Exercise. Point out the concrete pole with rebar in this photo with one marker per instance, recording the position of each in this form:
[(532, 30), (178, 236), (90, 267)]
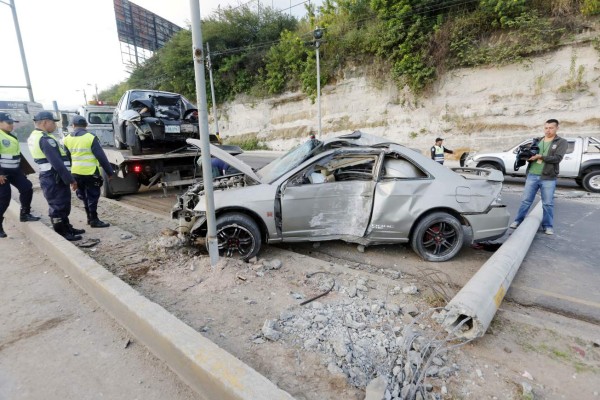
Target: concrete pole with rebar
[(470, 312), (198, 54)]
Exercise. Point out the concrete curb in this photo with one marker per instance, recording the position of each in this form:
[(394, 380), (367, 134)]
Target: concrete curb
[(209, 370)]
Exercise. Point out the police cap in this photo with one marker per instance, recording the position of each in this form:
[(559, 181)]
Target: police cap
[(42, 115), (78, 120), (5, 117)]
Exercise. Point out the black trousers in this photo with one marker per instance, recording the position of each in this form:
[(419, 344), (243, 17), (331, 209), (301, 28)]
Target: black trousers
[(57, 194), (23, 185), (88, 190)]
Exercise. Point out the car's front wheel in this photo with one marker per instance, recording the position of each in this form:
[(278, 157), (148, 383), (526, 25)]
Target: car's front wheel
[(238, 236), (489, 165), (438, 237)]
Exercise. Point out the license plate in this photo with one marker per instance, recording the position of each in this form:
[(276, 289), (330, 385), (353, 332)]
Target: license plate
[(172, 129)]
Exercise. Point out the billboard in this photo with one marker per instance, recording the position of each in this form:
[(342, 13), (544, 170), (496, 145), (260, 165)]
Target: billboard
[(141, 28)]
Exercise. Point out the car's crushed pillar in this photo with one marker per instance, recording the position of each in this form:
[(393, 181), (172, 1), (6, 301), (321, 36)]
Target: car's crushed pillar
[(470, 312)]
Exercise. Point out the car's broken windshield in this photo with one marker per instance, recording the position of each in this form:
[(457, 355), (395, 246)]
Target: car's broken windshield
[(288, 161)]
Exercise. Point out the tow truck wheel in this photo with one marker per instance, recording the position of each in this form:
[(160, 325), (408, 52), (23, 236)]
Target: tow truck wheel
[(238, 236), (591, 181), (438, 237)]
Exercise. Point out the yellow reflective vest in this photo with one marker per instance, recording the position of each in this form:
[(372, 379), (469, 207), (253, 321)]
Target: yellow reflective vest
[(84, 161), (10, 151), (38, 155)]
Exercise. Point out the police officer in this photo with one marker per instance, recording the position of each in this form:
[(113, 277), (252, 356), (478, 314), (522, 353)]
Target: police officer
[(55, 177), (11, 174), (86, 157), (438, 150)]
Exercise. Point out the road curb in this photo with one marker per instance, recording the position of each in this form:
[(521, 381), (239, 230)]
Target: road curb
[(208, 369)]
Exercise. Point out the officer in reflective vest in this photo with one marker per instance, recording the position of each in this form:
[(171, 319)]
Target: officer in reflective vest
[(11, 174), (438, 150), (86, 157), (54, 164)]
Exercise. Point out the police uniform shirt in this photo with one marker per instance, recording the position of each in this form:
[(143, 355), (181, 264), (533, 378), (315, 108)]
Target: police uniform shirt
[(49, 147), (2, 171)]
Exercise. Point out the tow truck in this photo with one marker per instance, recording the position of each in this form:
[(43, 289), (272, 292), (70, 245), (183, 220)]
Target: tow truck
[(166, 169)]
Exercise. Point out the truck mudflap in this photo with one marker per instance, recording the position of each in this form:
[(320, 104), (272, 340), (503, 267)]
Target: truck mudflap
[(119, 185)]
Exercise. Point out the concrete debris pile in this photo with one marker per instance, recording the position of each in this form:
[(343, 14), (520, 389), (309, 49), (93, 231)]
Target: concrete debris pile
[(362, 339)]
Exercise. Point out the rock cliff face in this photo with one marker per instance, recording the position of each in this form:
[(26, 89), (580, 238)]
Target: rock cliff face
[(484, 109)]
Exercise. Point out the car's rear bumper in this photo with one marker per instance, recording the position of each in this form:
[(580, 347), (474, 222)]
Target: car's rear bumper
[(490, 225)]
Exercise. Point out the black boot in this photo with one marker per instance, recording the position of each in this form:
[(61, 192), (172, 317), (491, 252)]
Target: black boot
[(2, 233), (72, 229), (61, 227), (26, 215), (94, 222)]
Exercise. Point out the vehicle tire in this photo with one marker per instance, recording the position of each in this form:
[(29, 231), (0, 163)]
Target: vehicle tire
[(591, 181), (238, 236), (489, 165), (134, 139), (438, 237), (116, 135)]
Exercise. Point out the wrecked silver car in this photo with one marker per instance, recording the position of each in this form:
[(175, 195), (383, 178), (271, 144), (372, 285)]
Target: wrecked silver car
[(357, 188)]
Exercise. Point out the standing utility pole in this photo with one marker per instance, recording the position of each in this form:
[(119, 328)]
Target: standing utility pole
[(23, 59), (212, 89), (318, 34), (198, 54)]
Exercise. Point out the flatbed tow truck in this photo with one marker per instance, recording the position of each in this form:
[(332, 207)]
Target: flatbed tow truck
[(165, 169)]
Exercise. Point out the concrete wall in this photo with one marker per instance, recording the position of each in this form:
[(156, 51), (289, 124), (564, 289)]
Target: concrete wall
[(488, 108)]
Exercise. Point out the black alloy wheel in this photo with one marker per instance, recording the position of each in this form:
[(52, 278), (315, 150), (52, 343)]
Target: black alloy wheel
[(438, 237), (238, 236)]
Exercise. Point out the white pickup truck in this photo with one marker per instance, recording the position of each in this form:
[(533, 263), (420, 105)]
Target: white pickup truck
[(581, 162)]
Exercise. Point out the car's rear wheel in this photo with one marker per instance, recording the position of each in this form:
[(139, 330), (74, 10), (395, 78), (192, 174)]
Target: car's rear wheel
[(238, 236), (438, 237), (591, 181)]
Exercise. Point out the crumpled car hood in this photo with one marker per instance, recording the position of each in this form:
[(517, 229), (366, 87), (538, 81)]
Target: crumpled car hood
[(228, 158)]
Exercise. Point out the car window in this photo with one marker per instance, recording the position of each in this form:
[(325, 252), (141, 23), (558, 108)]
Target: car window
[(288, 161), (394, 168), (99, 118), (570, 147), (338, 168)]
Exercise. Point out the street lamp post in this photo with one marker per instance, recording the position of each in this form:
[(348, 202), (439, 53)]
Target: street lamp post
[(318, 35), (20, 40), (95, 85), (84, 95)]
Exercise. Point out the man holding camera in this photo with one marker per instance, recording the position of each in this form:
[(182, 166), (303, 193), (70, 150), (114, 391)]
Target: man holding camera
[(542, 171)]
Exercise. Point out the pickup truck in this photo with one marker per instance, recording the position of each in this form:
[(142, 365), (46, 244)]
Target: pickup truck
[(581, 162)]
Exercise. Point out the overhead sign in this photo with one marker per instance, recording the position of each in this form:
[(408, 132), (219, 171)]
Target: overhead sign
[(139, 27)]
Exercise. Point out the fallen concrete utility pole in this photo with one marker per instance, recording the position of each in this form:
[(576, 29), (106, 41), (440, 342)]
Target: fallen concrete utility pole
[(477, 302)]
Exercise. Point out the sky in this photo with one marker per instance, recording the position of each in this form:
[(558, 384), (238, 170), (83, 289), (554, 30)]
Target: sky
[(71, 46)]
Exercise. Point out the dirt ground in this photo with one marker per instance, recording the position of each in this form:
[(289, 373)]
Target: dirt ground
[(332, 347)]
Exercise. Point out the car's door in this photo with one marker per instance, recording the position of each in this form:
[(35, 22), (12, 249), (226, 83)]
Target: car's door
[(331, 198)]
